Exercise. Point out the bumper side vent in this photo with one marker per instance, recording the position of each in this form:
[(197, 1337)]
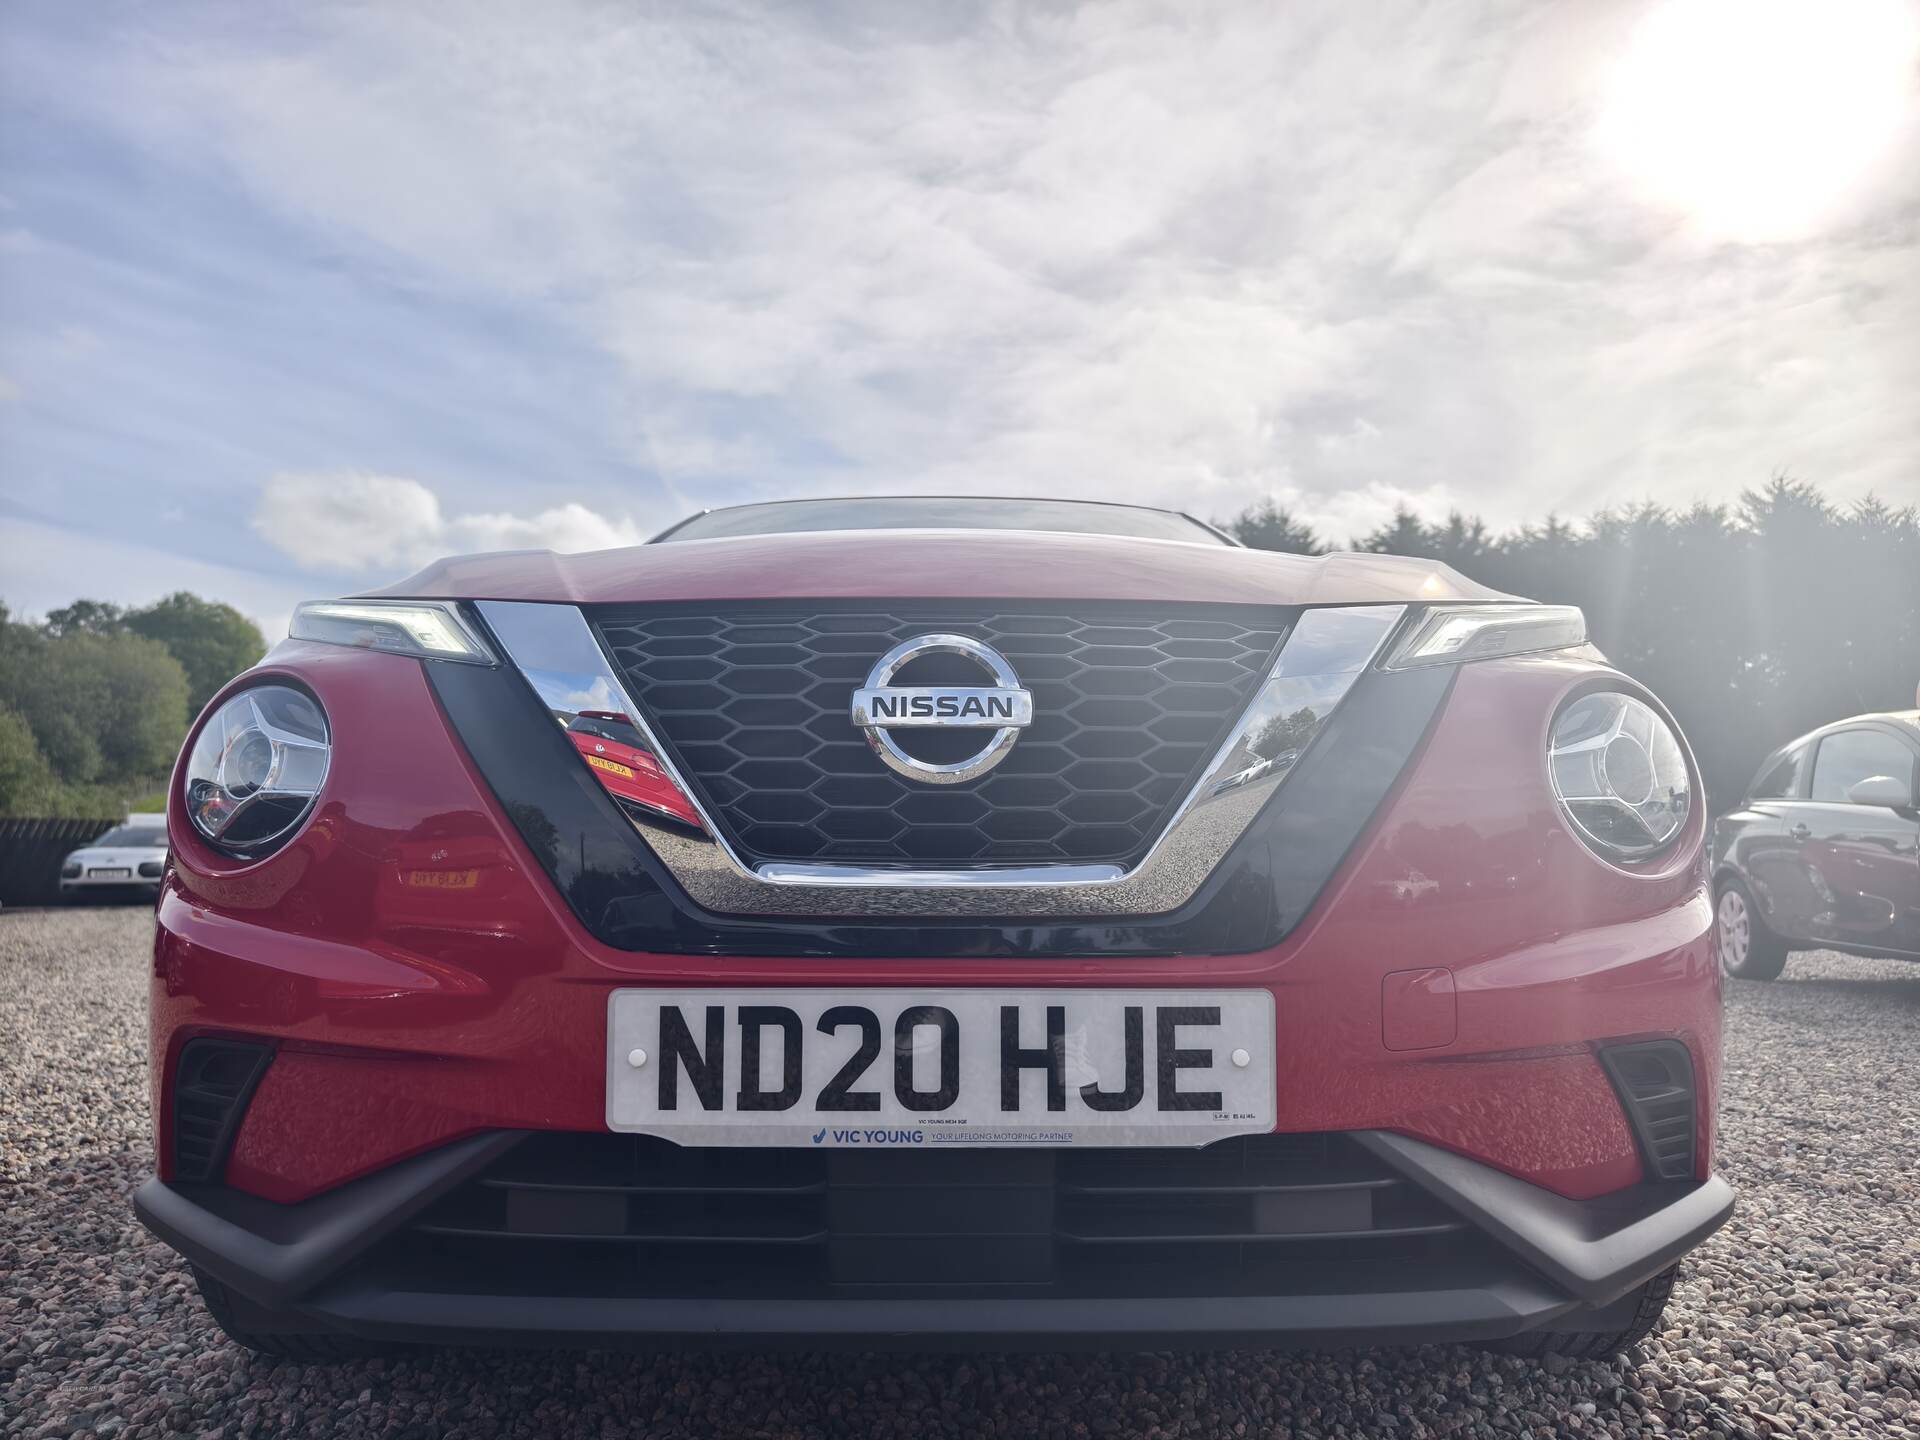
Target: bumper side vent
[(1655, 1084), (211, 1087)]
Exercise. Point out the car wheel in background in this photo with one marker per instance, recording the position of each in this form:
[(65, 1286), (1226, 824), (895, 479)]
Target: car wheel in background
[(1747, 949), (1598, 1345)]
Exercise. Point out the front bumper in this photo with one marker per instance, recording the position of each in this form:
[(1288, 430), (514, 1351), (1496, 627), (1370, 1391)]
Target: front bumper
[(110, 885), (389, 1256)]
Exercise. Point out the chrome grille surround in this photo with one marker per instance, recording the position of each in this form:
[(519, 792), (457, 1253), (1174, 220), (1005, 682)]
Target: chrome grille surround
[(1327, 649)]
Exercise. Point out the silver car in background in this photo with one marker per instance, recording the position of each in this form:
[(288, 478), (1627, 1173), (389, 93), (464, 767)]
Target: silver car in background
[(132, 855)]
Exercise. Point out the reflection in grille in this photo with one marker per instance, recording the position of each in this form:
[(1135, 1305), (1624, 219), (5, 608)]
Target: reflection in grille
[(624, 1215), (1129, 703)]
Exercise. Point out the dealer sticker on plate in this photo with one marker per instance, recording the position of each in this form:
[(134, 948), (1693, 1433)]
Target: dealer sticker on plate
[(899, 1067)]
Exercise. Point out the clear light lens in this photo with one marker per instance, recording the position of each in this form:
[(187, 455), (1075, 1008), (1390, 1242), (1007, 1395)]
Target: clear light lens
[(256, 768), (1449, 634), (1620, 774), (430, 629)]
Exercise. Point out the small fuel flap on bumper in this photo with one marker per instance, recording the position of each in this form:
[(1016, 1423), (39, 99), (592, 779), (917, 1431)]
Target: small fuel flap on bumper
[(931, 1067)]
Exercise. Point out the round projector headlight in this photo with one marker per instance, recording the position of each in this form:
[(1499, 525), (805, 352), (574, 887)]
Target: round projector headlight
[(256, 768), (1620, 774)]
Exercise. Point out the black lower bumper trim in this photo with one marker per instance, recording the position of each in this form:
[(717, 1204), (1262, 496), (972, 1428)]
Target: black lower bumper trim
[(1550, 1262), (1000, 1323), (274, 1254), (1597, 1250)]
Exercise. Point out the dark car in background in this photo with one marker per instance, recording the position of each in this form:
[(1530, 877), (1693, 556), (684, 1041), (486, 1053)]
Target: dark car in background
[(1823, 851)]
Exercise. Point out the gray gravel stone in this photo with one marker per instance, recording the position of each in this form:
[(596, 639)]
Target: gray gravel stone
[(1799, 1318)]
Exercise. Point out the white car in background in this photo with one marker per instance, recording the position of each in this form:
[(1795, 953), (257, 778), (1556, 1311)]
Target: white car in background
[(132, 854)]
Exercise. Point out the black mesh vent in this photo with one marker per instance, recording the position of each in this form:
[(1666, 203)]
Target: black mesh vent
[(612, 1215), (210, 1093), (1655, 1084), (1129, 702)]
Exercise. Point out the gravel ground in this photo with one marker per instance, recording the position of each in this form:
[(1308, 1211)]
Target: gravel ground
[(1799, 1318)]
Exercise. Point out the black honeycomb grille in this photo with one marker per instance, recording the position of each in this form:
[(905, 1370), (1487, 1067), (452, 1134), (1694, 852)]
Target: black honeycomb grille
[(1129, 702)]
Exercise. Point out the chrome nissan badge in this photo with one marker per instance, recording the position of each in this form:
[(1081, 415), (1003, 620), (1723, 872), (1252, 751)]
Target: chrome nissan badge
[(1004, 706)]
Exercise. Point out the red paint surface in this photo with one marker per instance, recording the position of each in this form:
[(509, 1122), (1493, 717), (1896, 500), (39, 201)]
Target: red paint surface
[(1013, 564), (410, 1010)]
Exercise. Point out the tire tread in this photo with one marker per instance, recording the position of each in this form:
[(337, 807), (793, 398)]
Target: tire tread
[(1599, 1345), (312, 1346)]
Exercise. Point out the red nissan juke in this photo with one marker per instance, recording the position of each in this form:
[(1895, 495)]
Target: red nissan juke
[(1022, 923)]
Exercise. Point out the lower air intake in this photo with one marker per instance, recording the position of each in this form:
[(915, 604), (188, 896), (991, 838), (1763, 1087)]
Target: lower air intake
[(212, 1085), (625, 1215), (1655, 1084)]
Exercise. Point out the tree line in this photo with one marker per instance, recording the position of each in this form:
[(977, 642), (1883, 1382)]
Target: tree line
[(95, 699), (1754, 622)]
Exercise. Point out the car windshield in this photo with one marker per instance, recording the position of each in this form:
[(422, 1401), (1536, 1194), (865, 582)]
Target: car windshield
[(137, 836), (944, 512), (608, 727)]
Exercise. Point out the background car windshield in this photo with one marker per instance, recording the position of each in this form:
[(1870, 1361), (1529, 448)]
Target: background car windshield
[(618, 731), (944, 512), (1850, 756), (135, 835)]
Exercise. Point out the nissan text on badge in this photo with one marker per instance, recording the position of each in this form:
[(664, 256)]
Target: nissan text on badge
[(1107, 933)]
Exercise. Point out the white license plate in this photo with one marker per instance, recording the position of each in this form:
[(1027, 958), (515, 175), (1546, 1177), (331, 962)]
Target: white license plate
[(110, 874), (898, 1067)]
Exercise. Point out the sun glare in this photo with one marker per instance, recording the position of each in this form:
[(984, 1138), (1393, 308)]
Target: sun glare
[(1762, 119)]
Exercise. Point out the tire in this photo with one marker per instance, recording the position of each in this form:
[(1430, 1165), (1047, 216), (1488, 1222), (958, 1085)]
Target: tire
[(240, 1319), (1597, 1345), (1746, 949)]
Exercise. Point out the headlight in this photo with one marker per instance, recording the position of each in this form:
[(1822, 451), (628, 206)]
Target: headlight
[(256, 768), (70, 870), (1620, 774), (430, 629), (1449, 634)]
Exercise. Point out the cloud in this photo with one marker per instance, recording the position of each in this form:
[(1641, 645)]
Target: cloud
[(53, 565), (344, 523), (1350, 256)]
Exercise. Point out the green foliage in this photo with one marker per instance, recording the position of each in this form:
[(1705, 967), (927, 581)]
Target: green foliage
[(25, 776), (103, 711), (84, 617), (97, 698), (1753, 624), (28, 785), (1266, 526), (214, 642)]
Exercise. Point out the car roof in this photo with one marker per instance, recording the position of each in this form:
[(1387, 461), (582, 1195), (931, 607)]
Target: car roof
[(1906, 720)]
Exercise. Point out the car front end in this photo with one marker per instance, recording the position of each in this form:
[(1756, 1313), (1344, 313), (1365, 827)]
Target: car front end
[(994, 939), (130, 858)]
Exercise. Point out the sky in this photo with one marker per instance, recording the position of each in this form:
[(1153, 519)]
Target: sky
[(295, 298)]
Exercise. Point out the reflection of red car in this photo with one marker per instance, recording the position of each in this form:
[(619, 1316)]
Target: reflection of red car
[(616, 752)]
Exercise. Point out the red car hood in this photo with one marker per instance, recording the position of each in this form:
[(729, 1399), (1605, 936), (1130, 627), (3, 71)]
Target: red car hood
[(1012, 564)]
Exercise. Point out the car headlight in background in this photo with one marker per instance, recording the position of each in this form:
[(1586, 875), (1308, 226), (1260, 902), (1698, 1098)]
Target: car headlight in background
[(256, 768), (1620, 774)]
